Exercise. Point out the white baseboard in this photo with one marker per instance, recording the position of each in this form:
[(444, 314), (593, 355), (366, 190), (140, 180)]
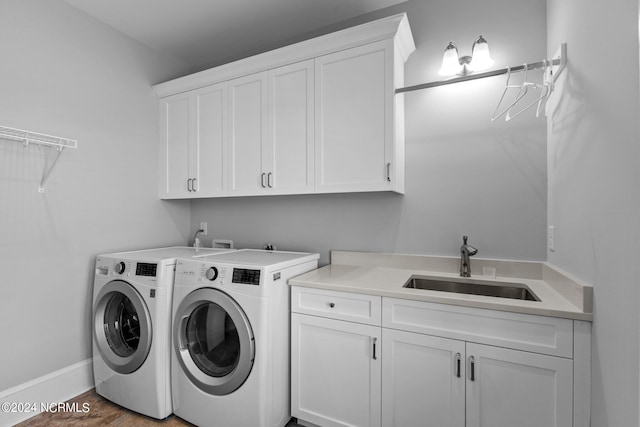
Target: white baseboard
[(26, 400)]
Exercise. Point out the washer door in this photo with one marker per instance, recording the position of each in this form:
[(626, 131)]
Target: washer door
[(122, 327), (213, 341)]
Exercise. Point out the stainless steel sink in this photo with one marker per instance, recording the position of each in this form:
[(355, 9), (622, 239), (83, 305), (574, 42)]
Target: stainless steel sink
[(473, 287)]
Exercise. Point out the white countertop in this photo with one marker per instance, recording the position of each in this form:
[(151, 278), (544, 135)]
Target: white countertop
[(385, 274)]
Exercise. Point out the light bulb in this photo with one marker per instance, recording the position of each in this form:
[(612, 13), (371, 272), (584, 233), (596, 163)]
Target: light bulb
[(481, 59), (450, 63)]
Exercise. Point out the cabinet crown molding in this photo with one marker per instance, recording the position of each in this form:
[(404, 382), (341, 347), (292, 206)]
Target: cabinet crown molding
[(396, 27)]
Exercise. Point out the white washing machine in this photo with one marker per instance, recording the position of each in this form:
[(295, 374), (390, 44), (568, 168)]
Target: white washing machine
[(230, 359), (132, 297)]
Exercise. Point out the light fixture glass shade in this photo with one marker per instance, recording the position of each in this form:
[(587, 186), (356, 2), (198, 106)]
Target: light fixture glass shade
[(450, 63), (481, 59)]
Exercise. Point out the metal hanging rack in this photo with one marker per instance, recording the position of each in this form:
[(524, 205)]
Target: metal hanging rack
[(558, 64), (27, 137)]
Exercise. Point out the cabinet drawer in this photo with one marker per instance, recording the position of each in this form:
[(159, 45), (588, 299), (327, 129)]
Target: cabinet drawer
[(347, 306), (538, 334)]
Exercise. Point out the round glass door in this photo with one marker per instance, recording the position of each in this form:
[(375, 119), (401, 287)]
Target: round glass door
[(214, 341), (122, 327)]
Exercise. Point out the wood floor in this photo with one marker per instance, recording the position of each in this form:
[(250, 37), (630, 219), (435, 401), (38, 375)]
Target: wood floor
[(102, 412)]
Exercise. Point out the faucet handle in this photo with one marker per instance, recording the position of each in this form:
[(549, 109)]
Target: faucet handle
[(464, 239)]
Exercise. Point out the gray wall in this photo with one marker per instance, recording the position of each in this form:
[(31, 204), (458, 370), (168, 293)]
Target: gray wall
[(594, 174), (464, 174), (65, 74)]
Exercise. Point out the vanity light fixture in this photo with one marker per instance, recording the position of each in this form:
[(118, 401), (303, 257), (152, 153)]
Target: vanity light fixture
[(479, 60)]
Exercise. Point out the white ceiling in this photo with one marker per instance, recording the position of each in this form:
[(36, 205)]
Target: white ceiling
[(211, 32)]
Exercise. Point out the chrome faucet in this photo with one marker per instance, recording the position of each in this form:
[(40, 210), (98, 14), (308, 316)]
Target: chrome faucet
[(466, 251), (196, 241)]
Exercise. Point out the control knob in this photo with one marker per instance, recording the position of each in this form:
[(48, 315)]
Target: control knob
[(120, 267), (211, 273)]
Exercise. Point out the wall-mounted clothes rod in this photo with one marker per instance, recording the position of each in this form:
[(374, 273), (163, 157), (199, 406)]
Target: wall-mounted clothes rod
[(27, 137), (559, 61)]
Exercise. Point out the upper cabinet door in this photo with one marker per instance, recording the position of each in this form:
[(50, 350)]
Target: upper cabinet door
[(209, 168), (354, 119), (192, 143), (175, 132), (288, 160), (247, 134)]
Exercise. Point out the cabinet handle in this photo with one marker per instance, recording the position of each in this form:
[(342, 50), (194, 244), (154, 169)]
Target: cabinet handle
[(262, 180), (458, 357), (375, 357), (388, 172), (472, 361), (193, 184), (332, 304), (269, 180), (189, 185)]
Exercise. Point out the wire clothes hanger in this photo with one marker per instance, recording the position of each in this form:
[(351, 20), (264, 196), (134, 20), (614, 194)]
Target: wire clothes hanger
[(522, 91), (545, 91)]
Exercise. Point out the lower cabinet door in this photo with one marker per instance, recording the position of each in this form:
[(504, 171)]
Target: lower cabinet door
[(423, 380), (507, 388), (335, 372)]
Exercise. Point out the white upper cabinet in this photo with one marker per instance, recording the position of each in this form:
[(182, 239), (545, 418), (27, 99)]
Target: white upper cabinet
[(319, 116), (271, 131), (354, 119), (211, 126), (176, 145), (289, 155), (247, 132), (192, 143)]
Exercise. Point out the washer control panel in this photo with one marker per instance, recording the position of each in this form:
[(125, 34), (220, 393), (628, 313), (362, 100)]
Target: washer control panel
[(146, 269), (246, 276), (216, 274)]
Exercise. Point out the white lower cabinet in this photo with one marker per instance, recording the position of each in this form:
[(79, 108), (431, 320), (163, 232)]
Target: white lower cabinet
[(518, 388), (423, 380), (336, 372), (438, 382), (352, 364)]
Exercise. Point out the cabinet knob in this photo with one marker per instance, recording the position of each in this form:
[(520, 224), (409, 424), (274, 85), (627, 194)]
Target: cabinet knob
[(332, 305)]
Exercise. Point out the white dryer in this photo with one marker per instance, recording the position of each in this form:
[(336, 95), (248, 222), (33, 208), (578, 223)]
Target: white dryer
[(132, 297), (230, 359)]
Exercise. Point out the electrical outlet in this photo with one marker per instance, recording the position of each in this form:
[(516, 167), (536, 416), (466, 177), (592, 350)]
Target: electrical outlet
[(551, 238), (203, 227)]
